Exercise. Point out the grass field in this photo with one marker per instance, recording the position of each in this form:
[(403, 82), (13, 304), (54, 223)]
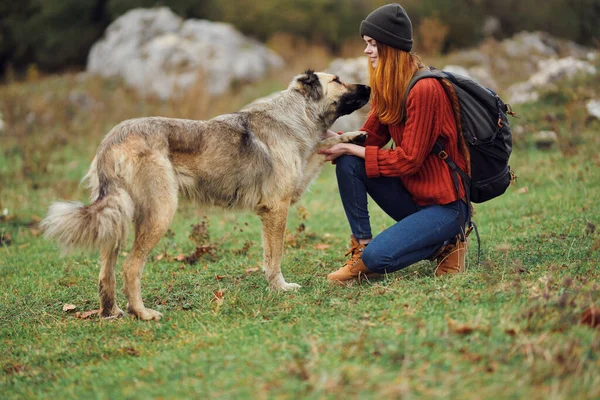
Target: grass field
[(507, 328)]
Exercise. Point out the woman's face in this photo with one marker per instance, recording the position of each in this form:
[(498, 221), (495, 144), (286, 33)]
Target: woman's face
[(371, 50)]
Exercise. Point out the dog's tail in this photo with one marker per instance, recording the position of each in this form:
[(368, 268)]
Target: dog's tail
[(102, 224)]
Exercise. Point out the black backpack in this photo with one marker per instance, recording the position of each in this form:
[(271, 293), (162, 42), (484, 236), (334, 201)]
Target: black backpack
[(487, 134)]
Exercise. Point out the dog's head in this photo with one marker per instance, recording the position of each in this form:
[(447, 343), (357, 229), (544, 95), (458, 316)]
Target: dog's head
[(331, 97)]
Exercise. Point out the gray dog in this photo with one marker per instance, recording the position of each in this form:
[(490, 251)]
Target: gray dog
[(261, 159)]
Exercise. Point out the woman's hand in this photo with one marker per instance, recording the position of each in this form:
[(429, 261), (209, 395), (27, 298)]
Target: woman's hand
[(343, 148)]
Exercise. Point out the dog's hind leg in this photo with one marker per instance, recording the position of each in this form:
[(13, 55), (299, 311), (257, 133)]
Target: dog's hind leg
[(106, 283), (274, 221), (156, 204)]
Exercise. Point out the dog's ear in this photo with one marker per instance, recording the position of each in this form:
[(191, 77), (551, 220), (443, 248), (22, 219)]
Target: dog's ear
[(309, 85)]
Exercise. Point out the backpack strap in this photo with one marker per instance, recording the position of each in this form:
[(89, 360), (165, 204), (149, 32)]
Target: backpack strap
[(425, 72), (457, 174)]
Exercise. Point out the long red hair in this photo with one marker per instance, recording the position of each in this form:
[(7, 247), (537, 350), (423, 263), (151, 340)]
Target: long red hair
[(389, 81)]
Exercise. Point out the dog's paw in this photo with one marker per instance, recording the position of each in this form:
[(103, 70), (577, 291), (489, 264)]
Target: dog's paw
[(284, 286), (146, 314), (113, 314), (357, 137)]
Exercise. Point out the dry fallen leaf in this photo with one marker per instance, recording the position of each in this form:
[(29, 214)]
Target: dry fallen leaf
[(5, 239), (523, 190), (511, 332), (457, 327), (519, 267), (86, 315), (218, 296), (322, 246), (14, 368), (590, 228), (159, 257), (35, 232), (591, 317), (219, 277), (130, 351), (69, 307), (251, 270), (180, 257)]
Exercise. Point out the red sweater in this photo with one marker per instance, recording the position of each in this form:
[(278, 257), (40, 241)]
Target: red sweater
[(429, 117)]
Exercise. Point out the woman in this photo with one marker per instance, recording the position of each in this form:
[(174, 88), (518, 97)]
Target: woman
[(410, 184)]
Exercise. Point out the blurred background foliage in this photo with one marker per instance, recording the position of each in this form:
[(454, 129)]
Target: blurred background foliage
[(56, 35)]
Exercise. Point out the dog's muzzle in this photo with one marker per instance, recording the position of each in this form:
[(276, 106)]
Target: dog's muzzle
[(353, 100)]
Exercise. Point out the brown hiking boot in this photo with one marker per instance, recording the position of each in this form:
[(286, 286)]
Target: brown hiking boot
[(451, 259), (354, 267)]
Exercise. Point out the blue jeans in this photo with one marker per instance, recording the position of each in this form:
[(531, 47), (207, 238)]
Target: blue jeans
[(418, 232)]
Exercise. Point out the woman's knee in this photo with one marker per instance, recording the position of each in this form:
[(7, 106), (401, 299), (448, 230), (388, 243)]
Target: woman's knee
[(375, 261), (347, 164)]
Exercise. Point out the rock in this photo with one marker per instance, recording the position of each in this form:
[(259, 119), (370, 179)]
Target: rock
[(522, 92), (491, 26), (472, 57), (479, 74), (158, 53), (550, 71), (352, 70), (82, 100), (528, 44), (483, 76), (592, 106), (545, 139), (457, 69)]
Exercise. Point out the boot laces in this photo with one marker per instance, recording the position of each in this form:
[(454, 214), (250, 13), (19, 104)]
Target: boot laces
[(356, 251)]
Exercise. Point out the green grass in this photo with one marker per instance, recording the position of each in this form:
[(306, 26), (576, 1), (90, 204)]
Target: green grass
[(507, 328)]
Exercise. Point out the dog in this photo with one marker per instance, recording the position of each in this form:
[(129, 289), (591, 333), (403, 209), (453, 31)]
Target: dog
[(261, 159)]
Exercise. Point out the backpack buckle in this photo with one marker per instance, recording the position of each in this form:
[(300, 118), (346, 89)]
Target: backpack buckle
[(443, 155)]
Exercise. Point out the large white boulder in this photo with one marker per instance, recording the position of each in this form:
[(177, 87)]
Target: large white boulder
[(351, 70), (479, 74), (159, 53), (529, 44), (550, 71)]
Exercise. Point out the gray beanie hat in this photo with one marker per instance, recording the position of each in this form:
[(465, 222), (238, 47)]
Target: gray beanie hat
[(389, 25)]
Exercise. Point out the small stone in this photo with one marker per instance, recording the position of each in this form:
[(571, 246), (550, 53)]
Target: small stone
[(545, 139), (593, 107)]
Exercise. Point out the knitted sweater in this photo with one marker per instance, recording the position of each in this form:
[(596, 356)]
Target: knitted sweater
[(429, 117)]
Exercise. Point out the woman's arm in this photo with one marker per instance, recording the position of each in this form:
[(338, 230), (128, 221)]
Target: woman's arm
[(343, 148), (378, 134), (420, 132)]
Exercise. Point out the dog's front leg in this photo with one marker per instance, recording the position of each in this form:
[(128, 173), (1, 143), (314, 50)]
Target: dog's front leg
[(314, 164), (274, 221), (348, 137)]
